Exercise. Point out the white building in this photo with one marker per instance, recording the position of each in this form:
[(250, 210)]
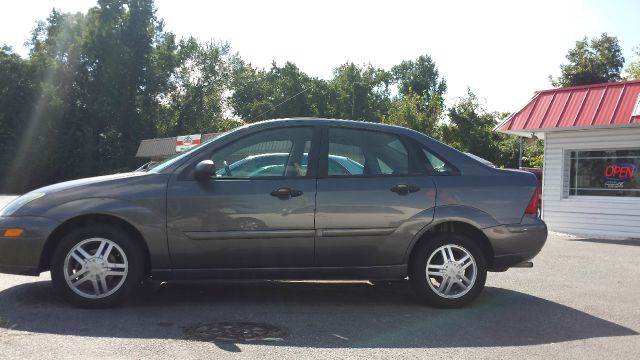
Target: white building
[(591, 184)]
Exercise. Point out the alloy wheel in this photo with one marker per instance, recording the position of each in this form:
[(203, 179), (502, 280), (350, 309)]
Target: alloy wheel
[(95, 268), (451, 271)]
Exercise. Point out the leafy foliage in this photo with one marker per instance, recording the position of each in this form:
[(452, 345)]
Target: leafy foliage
[(407, 111), (96, 83), (279, 92), (470, 129), (199, 82), (634, 67), (359, 93), (594, 61)]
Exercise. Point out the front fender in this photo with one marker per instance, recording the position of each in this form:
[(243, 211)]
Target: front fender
[(148, 219)]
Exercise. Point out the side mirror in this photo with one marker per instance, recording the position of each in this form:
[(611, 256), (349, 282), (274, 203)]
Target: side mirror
[(205, 169)]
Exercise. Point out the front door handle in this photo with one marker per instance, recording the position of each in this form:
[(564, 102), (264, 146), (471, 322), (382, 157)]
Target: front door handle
[(404, 189), (285, 192)]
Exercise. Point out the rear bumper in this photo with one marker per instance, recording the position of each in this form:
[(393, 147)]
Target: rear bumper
[(22, 255), (513, 244)]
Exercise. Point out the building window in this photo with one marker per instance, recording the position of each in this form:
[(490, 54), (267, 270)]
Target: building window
[(604, 173)]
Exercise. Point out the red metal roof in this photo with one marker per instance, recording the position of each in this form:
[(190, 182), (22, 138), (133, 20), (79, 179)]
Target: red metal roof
[(600, 105)]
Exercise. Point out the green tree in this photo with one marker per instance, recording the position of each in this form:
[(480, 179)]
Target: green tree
[(470, 129), (508, 151), (278, 92), (533, 153), (17, 93), (160, 83), (96, 83), (419, 82), (592, 61), (44, 144), (634, 67), (421, 77), (200, 80), (359, 92), (354, 92), (407, 111), (118, 46), (92, 82)]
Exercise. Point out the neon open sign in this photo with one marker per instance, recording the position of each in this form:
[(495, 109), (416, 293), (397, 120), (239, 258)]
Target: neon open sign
[(619, 172)]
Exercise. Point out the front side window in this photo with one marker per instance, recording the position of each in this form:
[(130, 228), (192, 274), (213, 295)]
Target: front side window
[(360, 152), (604, 172), (270, 153)]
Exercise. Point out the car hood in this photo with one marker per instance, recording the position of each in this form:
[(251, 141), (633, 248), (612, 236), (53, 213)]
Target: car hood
[(66, 185), (131, 187)]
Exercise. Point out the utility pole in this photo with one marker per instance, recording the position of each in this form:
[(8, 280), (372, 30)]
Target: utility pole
[(353, 98), (520, 152)]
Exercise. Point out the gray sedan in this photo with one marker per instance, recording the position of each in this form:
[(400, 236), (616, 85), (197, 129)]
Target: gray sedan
[(283, 199)]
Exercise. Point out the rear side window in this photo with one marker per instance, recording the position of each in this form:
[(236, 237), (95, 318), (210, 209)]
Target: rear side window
[(436, 165), (361, 152)]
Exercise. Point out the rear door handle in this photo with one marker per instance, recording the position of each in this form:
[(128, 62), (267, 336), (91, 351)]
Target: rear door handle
[(285, 192), (404, 189)]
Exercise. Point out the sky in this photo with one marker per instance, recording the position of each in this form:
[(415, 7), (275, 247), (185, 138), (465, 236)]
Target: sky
[(502, 50)]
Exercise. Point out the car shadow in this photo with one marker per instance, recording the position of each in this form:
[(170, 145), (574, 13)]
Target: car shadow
[(314, 314)]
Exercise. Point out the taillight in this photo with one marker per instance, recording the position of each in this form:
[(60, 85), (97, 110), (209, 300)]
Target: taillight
[(532, 208)]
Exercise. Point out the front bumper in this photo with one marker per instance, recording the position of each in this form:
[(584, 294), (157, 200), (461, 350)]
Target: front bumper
[(513, 244), (21, 255)]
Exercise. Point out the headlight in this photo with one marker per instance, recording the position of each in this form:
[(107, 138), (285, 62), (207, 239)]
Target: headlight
[(19, 202)]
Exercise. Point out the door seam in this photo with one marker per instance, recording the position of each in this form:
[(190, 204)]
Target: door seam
[(315, 214)]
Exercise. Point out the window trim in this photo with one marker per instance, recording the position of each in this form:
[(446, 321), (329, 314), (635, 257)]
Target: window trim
[(323, 166), (567, 189), (186, 174)]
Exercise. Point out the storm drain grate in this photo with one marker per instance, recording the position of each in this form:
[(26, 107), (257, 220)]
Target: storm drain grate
[(234, 331)]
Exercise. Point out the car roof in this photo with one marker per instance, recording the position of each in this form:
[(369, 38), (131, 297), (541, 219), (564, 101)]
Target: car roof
[(314, 121)]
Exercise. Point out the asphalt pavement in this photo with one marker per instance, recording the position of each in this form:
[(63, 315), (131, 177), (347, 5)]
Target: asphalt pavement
[(581, 300)]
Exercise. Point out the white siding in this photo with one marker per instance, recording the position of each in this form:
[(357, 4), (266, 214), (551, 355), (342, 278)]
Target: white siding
[(588, 215)]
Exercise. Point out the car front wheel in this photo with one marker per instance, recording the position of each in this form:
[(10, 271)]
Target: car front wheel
[(448, 271), (96, 266)]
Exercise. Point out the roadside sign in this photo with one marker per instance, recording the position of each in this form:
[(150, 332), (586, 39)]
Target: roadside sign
[(186, 142)]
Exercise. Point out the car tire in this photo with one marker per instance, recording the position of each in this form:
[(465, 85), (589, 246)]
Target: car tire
[(465, 275), (89, 279)]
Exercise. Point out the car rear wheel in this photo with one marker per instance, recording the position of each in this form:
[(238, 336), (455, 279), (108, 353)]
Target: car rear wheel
[(448, 271), (96, 266)]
